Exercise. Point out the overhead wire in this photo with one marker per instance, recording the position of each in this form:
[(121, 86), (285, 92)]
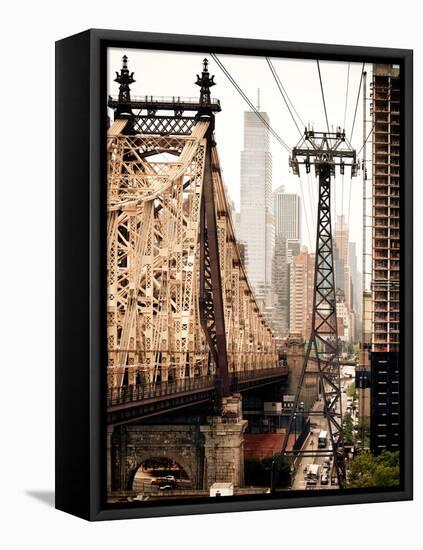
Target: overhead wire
[(249, 103), (366, 140), (343, 175), (284, 94), (323, 94), (356, 103), (346, 95), (265, 122), (287, 101), (290, 105), (351, 135)]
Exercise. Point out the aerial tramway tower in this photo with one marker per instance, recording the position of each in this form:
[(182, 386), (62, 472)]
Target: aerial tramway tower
[(325, 151)]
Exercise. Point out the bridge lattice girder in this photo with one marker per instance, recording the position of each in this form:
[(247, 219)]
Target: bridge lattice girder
[(155, 185)]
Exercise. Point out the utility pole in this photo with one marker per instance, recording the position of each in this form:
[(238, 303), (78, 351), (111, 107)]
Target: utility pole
[(324, 150)]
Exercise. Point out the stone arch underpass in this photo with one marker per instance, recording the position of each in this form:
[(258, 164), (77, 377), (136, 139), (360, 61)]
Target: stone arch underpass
[(208, 453), (182, 444)]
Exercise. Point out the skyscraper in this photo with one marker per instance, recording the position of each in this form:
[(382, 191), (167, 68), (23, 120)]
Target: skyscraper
[(287, 214), (385, 391), (342, 270), (256, 229), (341, 238)]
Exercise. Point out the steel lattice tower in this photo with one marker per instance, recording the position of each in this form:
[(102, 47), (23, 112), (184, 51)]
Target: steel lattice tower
[(324, 150)]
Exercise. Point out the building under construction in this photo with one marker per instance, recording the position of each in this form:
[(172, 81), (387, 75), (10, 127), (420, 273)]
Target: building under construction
[(385, 396)]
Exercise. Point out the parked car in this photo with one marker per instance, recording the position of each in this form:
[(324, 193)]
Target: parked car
[(324, 479), (168, 482), (166, 487), (157, 481)]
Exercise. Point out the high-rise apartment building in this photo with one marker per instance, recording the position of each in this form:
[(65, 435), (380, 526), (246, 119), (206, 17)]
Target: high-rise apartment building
[(301, 293), (256, 228), (385, 391)]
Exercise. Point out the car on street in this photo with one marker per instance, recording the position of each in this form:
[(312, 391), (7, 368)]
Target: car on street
[(324, 478), (312, 474), (157, 481)]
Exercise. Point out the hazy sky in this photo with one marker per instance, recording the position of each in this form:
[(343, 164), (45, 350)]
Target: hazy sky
[(170, 73)]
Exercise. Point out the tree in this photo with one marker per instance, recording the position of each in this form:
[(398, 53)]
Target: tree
[(363, 430), (262, 472), (281, 470), (348, 430), (367, 470), (351, 390)]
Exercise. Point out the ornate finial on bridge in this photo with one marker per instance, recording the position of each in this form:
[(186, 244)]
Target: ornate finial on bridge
[(124, 79), (205, 81)]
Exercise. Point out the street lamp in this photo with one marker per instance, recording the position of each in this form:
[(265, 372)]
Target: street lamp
[(302, 416), (271, 474), (291, 471), (295, 430)]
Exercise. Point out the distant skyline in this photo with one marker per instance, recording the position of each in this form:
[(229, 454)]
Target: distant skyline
[(173, 73)]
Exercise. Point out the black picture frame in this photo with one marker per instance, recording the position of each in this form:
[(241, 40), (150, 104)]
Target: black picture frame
[(80, 268)]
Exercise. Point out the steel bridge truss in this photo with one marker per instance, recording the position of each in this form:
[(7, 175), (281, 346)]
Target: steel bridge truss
[(179, 305), (321, 361)]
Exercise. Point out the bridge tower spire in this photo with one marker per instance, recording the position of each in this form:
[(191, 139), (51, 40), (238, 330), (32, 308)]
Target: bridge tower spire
[(205, 81), (324, 150), (124, 79)]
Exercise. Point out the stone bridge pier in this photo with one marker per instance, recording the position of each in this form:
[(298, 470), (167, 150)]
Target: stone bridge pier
[(209, 453)]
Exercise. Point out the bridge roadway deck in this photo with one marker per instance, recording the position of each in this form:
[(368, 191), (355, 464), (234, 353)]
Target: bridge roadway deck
[(137, 402)]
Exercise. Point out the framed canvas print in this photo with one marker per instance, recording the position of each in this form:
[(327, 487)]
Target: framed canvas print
[(234, 274)]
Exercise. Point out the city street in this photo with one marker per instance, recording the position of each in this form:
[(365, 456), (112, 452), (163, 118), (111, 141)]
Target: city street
[(318, 424)]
